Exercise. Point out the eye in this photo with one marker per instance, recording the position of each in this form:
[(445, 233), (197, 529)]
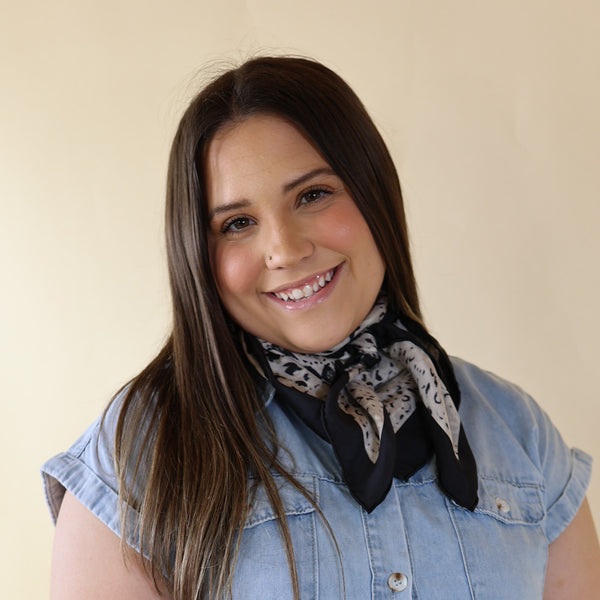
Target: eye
[(313, 195), (236, 224)]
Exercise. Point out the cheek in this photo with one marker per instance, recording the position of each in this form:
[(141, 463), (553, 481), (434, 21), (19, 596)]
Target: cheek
[(346, 230), (235, 272)]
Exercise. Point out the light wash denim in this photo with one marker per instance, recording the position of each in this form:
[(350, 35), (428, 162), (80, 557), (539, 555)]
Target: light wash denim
[(417, 543)]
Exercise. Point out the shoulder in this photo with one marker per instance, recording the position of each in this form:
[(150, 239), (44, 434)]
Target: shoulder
[(499, 415), (489, 399)]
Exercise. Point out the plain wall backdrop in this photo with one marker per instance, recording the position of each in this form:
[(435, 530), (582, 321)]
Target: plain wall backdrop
[(490, 110)]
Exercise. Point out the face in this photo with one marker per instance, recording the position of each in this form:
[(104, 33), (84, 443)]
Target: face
[(294, 261)]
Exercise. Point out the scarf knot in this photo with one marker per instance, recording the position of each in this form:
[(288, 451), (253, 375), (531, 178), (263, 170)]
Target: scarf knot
[(386, 399)]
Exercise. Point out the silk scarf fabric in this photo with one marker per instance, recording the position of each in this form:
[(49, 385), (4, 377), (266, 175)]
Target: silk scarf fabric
[(386, 399)]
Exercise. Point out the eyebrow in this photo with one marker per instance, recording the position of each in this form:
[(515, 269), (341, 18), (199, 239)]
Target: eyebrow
[(306, 177), (230, 206), (287, 187)]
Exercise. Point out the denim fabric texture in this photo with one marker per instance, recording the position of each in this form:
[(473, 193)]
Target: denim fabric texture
[(417, 543)]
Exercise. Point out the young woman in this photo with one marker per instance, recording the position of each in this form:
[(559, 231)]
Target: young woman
[(301, 435)]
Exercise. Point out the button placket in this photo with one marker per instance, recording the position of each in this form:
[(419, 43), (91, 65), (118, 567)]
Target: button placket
[(389, 556)]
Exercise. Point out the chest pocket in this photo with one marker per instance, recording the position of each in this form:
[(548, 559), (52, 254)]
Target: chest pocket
[(511, 503), (262, 570), (503, 541)]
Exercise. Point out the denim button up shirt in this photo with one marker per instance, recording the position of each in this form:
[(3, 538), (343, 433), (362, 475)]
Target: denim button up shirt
[(417, 543)]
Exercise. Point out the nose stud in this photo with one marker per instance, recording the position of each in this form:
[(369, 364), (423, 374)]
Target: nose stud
[(269, 258)]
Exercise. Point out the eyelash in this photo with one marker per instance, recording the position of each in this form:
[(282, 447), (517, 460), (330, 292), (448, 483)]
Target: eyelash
[(323, 192), (228, 225)]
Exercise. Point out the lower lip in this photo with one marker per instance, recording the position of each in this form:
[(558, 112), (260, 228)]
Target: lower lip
[(313, 300)]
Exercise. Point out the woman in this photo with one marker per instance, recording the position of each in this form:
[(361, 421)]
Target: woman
[(299, 435)]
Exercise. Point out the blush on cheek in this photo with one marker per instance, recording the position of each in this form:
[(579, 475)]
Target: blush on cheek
[(234, 273), (344, 225)]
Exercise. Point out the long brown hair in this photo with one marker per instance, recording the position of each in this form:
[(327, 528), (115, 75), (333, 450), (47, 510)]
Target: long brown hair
[(188, 434)]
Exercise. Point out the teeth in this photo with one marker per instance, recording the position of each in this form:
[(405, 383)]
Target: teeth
[(308, 290)]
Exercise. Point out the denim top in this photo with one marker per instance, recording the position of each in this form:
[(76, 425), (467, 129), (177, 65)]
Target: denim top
[(417, 543)]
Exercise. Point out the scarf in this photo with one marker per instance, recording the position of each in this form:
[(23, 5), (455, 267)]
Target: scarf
[(386, 398)]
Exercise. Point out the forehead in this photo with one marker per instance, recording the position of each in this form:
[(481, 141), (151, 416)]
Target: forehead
[(258, 126), (255, 150)]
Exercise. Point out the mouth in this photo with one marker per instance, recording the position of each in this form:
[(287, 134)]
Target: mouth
[(306, 289)]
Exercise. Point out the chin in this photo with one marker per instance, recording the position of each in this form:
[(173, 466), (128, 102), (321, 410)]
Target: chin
[(312, 346)]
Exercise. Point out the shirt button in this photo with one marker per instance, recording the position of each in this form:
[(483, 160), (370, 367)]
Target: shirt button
[(397, 582), (502, 505)]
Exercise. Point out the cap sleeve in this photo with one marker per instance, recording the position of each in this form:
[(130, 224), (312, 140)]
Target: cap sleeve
[(87, 471), (567, 472)]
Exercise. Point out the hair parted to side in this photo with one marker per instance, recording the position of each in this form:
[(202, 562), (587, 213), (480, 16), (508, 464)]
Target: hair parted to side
[(191, 429)]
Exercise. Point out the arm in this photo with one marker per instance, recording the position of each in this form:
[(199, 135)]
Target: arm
[(87, 561), (573, 569)]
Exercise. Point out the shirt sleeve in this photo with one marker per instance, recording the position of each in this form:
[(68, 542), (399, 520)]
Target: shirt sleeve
[(567, 472), (87, 471)]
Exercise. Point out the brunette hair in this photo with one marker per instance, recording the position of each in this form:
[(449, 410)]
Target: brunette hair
[(191, 427)]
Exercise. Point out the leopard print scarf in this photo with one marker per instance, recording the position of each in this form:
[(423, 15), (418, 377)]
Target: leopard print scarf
[(381, 398)]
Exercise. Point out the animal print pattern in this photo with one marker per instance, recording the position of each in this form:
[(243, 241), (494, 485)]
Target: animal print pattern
[(391, 379)]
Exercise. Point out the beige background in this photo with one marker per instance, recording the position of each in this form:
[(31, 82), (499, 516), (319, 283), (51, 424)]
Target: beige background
[(490, 109)]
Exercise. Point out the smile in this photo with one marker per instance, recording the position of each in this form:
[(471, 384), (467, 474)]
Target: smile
[(307, 289)]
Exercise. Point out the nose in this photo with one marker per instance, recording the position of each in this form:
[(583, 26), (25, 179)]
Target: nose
[(287, 244)]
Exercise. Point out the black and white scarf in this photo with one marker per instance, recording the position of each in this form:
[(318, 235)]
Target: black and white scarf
[(386, 399)]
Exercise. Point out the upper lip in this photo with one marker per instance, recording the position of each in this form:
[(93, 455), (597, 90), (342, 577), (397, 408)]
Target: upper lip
[(300, 283)]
